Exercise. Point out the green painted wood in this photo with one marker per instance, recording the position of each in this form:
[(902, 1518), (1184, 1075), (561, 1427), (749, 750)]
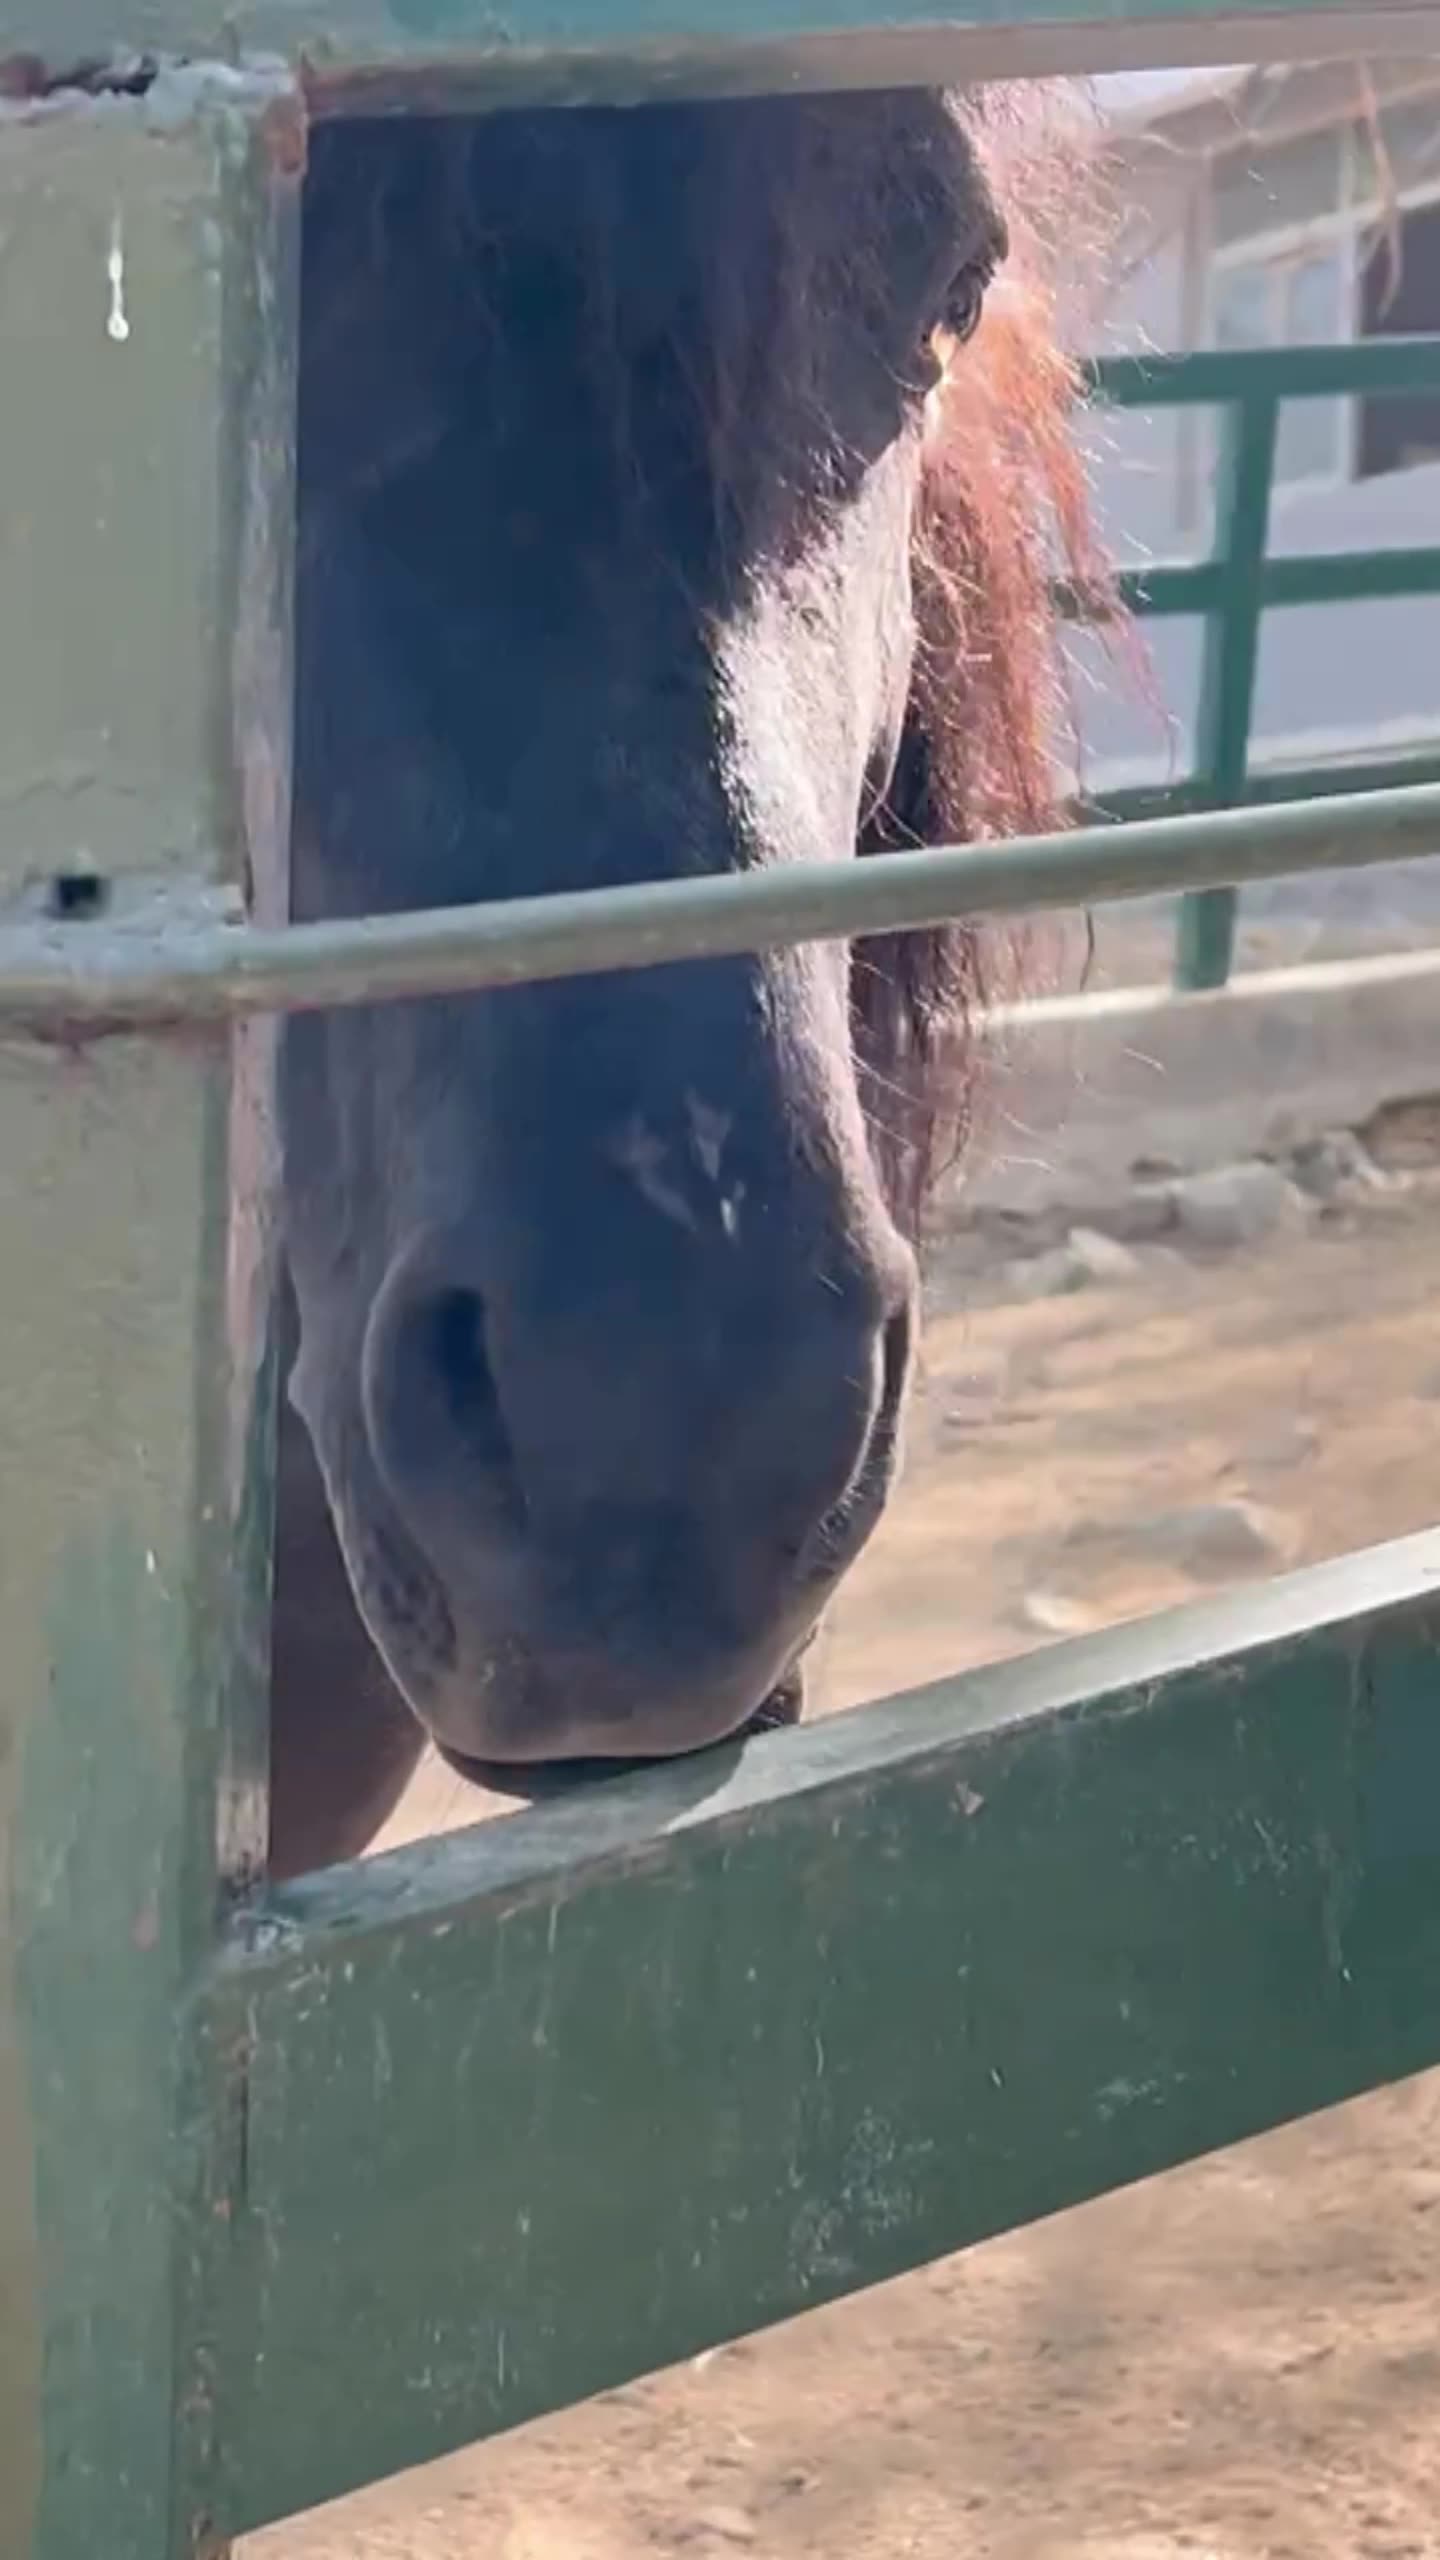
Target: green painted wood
[(1268, 790), (144, 442), (1204, 376), (56, 980), (1170, 588), (548, 2104), (1376, 369), (1239, 584), (571, 50), (1205, 934)]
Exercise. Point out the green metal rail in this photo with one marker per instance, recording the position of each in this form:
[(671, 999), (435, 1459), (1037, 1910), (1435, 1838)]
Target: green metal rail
[(1233, 590), (298, 2187), (67, 982)]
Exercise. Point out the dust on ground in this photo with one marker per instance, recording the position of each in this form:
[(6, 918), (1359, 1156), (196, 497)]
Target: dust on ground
[(1239, 2361)]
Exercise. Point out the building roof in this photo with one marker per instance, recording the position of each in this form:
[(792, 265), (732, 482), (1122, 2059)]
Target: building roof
[(1136, 98)]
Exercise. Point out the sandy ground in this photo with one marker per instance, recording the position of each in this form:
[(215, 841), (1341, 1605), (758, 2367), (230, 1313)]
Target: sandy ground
[(1238, 2362)]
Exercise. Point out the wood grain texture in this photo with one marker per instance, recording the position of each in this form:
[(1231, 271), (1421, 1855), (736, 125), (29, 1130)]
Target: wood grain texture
[(538, 2107), (622, 51)]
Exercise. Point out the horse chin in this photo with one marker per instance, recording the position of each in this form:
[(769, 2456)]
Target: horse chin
[(530, 1782)]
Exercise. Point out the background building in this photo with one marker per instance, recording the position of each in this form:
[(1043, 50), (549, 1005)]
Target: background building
[(1273, 207)]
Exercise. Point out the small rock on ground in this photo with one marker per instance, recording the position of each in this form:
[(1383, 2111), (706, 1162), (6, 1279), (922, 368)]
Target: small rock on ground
[(1085, 1257), (1213, 1540), (1102, 1257), (1236, 1204), (1328, 1166), (724, 2524), (1054, 1613)]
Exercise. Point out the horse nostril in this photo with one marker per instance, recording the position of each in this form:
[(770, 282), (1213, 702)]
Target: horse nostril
[(433, 1404), (453, 1347)]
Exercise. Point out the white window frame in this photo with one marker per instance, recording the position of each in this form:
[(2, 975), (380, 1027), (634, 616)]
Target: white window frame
[(1286, 243), (1280, 244)]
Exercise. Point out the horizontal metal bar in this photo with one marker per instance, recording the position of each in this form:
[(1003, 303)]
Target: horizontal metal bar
[(454, 53), (686, 2054), (1377, 367), (1264, 790), (66, 982), (1186, 587)]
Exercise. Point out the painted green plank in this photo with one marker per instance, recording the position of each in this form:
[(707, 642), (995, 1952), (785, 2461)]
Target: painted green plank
[(55, 979), (1183, 587), (1376, 366), (143, 476), (1266, 790), (1205, 940), (1205, 933), (551, 2103), (567, 50)]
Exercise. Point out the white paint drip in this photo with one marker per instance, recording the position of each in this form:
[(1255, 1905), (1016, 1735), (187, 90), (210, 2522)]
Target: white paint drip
[(117, 326)]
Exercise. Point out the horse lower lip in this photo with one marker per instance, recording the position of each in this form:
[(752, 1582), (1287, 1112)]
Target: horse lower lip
[(530, 1780)]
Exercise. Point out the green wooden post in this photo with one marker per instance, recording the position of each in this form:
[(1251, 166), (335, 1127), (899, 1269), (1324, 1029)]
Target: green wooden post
[(145, 456), (1205, 940)]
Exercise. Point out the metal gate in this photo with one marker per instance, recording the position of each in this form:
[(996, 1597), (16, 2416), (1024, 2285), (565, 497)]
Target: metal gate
[(300, 2186), (1231, 592)]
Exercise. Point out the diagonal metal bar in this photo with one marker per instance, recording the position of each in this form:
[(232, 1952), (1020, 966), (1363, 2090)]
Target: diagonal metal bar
[(68, 982)]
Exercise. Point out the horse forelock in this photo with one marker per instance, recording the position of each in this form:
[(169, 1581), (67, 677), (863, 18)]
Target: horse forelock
[(991, 740)]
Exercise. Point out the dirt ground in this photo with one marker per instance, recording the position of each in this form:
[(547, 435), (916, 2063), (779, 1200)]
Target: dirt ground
[(1240, 2361)]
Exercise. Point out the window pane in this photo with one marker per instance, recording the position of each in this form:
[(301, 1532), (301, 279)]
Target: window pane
[(1290, 302), (1314, 303), (1412, 149), (1308, 446), (1399, 434), (1310, 443), (1245, 307), (1260, 190)]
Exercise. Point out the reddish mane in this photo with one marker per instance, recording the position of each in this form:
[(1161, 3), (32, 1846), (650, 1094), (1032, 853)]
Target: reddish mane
[(1004, 511)]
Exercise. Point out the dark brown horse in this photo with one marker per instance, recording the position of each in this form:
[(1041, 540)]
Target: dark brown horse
[(679, 492)]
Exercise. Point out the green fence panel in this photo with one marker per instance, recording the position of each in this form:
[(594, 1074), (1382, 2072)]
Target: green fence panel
[(541, 2106), (1233, 589), (144, 533)]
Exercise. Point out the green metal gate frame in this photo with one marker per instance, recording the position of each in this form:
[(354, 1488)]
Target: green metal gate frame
[(1242, 580), (300, 2186)]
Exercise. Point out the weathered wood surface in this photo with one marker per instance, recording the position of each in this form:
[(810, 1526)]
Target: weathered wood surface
[(434, 2145), (143, 543), (567, 51), (544, 2105)]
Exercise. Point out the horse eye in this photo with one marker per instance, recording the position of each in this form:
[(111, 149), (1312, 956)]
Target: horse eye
[(964, 304)]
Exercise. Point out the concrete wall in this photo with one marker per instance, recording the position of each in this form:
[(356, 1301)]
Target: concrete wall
[(1083, 1093)]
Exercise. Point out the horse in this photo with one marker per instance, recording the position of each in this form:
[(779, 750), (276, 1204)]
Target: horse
[(680, 490)]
